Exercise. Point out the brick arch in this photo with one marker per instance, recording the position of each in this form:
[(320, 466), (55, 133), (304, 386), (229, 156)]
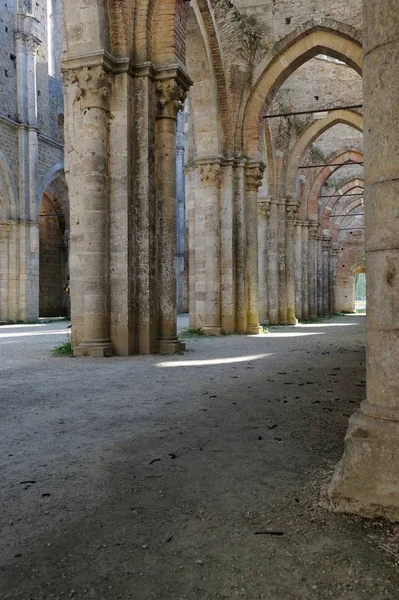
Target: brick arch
[(86, 27), (338, 159), (169, 24), (343, 191), (294, 53), (121, 18), (309, 136), (9, 203)]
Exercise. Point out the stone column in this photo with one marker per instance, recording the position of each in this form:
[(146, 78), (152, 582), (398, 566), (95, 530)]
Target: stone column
[(272, 263), (263, 215), (313, 227), (210, 176), (367, 479), (93, 93), (305, 269), (291, 209), (333, 277), (319, 275), (27, 45), (281, 260), (253, 181), (326, 274), (298, 269), (180, 209), (4, 271), (170, 95)]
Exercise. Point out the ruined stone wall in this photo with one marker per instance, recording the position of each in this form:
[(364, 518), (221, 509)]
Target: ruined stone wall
[(350, 258), (49, 90)]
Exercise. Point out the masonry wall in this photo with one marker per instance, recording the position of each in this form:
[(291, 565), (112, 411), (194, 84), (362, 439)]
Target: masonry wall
[(50, 115), (350, 257)]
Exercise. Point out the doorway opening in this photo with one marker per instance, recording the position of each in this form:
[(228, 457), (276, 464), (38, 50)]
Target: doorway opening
[(360, 292)]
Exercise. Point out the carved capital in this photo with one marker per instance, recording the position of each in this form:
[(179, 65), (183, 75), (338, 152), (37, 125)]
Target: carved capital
[(253, 177), (210, 174), (93, 86), (5, 229), (264, 207), (170, 97), (313, 230), (292, 208), (326, 241)]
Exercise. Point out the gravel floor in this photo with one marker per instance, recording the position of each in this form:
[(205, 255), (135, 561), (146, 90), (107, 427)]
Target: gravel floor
[(194, 477)]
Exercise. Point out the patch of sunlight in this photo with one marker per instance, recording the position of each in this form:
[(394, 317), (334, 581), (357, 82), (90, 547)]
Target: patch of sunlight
[(212, 361), (328, 325), (285, 334), (31, 333)]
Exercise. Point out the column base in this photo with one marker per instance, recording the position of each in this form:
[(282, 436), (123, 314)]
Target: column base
[(366, 480), (170, 346), (213, 330), (100, 349), (253, 330), (292, 320)]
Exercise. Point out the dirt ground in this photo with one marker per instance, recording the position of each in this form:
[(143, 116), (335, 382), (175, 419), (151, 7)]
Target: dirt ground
[(194, 477)]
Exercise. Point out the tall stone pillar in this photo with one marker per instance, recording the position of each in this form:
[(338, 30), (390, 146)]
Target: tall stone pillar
[(180, 210), (298, 269), (305, 270), (170, 95), (281, 260), (319, 275), (253, 181), (211, 176), (291, 209), (312, 261), (326, 274), (263, 215), (27, 45), (5, 229), (367, 479), (333, 277), (272, 263), (93, 93)]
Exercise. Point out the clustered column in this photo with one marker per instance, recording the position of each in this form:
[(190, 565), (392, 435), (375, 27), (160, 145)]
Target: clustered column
[(366, 481), (305, 270)]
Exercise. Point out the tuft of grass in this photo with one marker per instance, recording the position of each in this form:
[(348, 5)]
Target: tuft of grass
[(192, 332), (265, 329), (64, 350)]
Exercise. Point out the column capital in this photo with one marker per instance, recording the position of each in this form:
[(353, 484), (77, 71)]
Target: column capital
[(93, 86), (326, 241), (313, 230), (210, 173), (264, 206), (291, 210), (253, 176), (170, 97), (5, 229)]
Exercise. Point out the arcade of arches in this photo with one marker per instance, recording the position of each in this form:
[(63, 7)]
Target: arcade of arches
[(285, 202)]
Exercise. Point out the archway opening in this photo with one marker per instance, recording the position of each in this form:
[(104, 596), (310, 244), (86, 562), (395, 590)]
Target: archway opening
[(360, 291), (53, 256)]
